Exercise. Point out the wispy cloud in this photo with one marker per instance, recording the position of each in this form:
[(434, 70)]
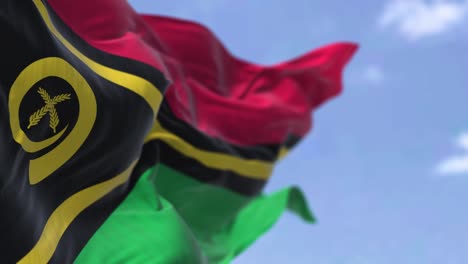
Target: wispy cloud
[(456, 164), (373, 74), (415, 19)]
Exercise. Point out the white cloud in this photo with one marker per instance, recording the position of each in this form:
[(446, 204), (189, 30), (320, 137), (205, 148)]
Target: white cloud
[(416, 19), (373, 74), (456, 164), (463, 141)]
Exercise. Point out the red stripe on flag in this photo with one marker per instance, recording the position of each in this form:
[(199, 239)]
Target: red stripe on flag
[(221, 95)]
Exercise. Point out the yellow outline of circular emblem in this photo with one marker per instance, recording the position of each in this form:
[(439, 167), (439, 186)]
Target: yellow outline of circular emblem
[(44, 166)]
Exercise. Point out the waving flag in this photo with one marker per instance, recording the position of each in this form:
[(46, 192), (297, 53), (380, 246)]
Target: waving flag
[(100, 164)]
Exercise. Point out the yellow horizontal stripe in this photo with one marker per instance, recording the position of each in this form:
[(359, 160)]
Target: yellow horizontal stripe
[(254, 169), (283, 152), (65, 213), (136, 84)]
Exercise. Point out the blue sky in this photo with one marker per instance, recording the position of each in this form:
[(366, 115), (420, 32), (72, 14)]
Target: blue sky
[(385, 169)]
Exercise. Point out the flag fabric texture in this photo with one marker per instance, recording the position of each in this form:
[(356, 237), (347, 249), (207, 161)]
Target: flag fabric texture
[(129, 138)]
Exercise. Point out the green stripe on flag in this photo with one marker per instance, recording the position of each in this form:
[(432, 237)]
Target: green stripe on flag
[(219, 222), (145, 228)]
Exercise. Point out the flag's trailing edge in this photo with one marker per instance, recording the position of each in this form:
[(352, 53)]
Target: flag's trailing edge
[(102, 169), (241, 102)]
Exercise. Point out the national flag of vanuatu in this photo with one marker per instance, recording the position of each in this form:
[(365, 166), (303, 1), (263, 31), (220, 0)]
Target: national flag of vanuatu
[(100, 164)]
